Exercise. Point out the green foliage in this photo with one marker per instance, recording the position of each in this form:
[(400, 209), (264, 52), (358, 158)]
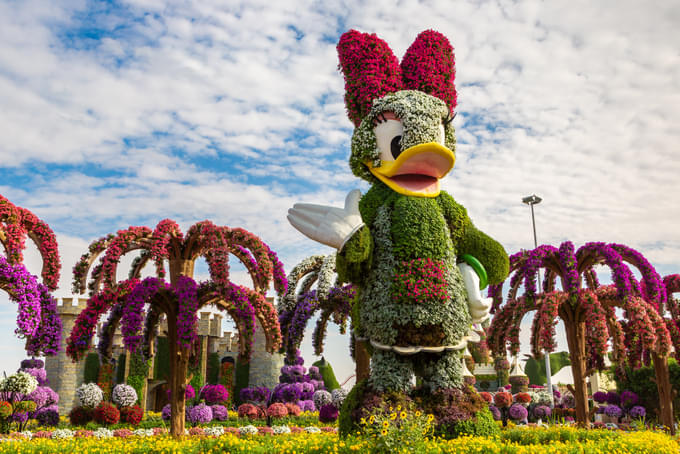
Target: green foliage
[(242, 377), (369, 203), (418, 229), (487, 250), (213, 368), (327, 373), (195, 370), (139, 369), (161, 366), (352, 263), (455, 214), (482, 425), (120, 371), (535, 369), (346, 423), (643, 383), (91, 373)]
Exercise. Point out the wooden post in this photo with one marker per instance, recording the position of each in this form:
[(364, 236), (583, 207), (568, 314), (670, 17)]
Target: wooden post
[(663, 385), (575, 328), (363, 361)]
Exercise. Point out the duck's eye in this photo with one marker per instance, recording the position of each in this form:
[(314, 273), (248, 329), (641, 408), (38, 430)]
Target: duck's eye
[(388, 133)]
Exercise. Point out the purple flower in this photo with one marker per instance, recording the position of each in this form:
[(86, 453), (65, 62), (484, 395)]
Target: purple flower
[(637, 411), (165, 413), (613, 410), (629, 399), (200, 414), (48, 416), (600, 397), (43, 396), (542, 411), (214, 394), (613, 398), (495, 412), (220, 412), (328, 413), (517, 412), (307, 405), (32, 364)]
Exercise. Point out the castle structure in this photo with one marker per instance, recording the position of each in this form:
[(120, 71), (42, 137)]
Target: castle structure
[(65, 375)]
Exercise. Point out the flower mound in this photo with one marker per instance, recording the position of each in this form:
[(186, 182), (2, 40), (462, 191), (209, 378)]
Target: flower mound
[(502, 399), (214, 394), (80, 416), (200, 414), (106, 413), (328, 413), (132, 415), (124, 395), (89, 395), (277, 410)]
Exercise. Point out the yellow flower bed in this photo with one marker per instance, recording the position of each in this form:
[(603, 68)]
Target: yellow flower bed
[(618, 443)]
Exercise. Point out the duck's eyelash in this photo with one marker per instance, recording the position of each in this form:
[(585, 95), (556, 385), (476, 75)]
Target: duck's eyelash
[(380, 118), (449, 118)]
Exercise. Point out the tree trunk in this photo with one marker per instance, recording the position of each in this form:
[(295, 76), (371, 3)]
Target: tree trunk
[(363, 361), (179, 364), (575, 328), (663, 384)]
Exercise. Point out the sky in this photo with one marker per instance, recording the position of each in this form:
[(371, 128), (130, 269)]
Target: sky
[(126, 113)]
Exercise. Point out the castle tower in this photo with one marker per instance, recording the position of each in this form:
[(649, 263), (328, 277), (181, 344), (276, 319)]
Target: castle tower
[(265, 367), (63, 374)]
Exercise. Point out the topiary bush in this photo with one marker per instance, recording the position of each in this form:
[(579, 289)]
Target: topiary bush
[(132, 415), (79, 416), (482, 425), (106, 413)]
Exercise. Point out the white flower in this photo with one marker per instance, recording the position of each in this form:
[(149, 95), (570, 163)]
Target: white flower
[(312, 430), (26, 434), (247, 430), (279, 430), (143, 432), (124, 395), (62, 433), (338, 396), (321, 398), (89, 395), (214, 431), (21, 383), (103, 432)]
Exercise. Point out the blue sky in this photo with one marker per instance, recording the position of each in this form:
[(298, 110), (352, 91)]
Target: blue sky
[(126, 113)]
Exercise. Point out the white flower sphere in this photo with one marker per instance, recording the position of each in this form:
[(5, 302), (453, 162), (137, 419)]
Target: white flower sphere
[(124, 395), (21, 383), (321, 398), (89, 395), (338, 396)]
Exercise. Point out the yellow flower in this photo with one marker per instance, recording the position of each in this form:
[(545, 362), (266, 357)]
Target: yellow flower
[(393, 416), (383, 432), (363, 421), (371, 419), (402, 415), (418, 413), (399, 407), (386, 424), (430, 417)]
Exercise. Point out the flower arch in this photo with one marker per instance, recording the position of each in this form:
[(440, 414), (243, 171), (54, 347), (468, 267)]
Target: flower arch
[(174, 255), (588, 311), (37, 321), (300, 303)]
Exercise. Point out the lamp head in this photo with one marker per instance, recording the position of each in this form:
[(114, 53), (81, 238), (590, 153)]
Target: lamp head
[(531, 199)]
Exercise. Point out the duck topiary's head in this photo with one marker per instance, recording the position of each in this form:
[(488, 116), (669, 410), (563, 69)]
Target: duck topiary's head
[(404, 136)]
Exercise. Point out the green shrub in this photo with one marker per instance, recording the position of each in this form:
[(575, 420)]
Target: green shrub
[(91, 373), (242, 376), (327, 373), (213, 369), (483, 425), (120, 371), (161, 366), (346, 423), (139, 369)]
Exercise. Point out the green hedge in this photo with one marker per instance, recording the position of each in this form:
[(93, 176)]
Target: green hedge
[(327, 373), (139, 369), (213, 369), (242, 378), (120, 371), (91, 368), (161, 365)]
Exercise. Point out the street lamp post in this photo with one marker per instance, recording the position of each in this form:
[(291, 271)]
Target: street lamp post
[(532, 200)]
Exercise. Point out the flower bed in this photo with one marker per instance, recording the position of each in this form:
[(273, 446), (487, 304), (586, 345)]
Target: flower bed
[(536, 441)]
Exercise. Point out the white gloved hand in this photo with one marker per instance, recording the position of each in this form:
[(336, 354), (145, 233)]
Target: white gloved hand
[(479, 307), (328, 225)]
